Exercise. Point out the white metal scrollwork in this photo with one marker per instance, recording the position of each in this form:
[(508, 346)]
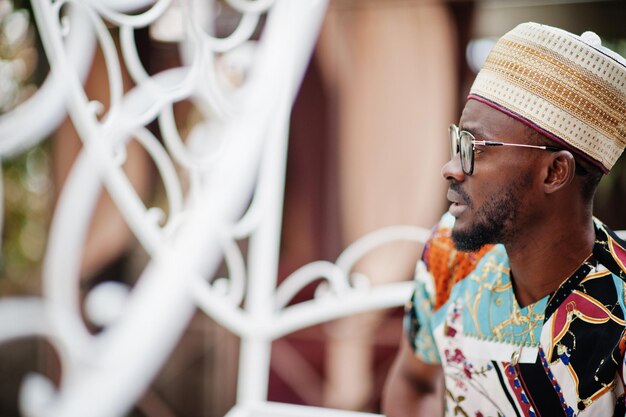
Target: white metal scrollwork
[(235, 155)]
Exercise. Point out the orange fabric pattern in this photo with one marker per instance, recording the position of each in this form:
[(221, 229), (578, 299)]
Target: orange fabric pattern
[(447, 264)]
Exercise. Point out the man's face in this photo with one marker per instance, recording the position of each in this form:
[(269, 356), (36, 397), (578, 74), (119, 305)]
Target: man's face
[(490, 205)]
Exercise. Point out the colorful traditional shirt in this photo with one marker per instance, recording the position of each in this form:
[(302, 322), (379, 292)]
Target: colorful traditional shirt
[(560, 356)]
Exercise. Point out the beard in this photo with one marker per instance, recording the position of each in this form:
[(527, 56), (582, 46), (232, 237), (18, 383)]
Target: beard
[(496, 221)]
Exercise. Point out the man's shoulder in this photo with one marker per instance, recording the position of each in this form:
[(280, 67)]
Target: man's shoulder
[(610, 249), (446, 264)]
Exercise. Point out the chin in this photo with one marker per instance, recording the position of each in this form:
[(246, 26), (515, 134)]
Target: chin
[(462, 222), (472, 238)]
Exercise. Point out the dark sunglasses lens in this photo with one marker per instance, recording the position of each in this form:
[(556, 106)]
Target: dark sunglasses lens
[(466, 152), (453, 131)]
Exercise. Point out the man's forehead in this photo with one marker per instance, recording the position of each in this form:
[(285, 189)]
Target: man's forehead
[(482, 119)]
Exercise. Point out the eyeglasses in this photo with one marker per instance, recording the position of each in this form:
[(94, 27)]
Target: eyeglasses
[(464, 143)]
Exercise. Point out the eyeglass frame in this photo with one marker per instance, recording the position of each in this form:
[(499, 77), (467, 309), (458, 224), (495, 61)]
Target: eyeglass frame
[(455, 146)]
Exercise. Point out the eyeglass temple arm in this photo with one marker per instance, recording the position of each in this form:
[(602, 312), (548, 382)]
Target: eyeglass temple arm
[(520, 145)]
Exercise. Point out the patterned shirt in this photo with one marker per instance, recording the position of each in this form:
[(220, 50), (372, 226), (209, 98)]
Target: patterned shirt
[(560, 356)]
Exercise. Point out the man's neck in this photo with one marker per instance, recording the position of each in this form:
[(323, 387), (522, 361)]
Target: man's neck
[(541, 259)]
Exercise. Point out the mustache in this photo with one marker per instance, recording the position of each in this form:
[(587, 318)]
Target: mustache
[(454, 186)]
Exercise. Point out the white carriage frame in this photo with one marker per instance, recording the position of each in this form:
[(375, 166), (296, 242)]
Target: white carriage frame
[(104, 374)]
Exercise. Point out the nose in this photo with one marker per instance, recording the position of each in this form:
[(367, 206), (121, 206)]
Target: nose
[(452, 170)]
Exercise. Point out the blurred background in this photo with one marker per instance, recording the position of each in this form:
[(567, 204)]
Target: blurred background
[(368, 138)]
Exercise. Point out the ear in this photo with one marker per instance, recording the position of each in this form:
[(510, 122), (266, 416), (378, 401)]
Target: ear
[(559, 171)]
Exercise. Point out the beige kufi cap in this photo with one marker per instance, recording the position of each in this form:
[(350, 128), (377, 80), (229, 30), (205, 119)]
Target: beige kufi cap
[(568, 87)]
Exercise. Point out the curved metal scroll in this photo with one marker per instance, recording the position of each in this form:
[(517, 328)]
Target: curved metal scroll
[(105, 373)]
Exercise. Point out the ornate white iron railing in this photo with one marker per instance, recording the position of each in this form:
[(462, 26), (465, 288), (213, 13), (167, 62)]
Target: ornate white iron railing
[(236, 155)]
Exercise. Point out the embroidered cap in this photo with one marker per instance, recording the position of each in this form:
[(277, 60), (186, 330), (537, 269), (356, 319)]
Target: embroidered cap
[(569, 88)]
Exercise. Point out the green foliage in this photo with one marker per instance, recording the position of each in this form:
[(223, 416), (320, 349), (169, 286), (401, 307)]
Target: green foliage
[(27, 206)]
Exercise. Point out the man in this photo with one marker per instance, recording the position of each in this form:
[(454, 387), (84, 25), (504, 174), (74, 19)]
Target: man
[(520, 304)]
